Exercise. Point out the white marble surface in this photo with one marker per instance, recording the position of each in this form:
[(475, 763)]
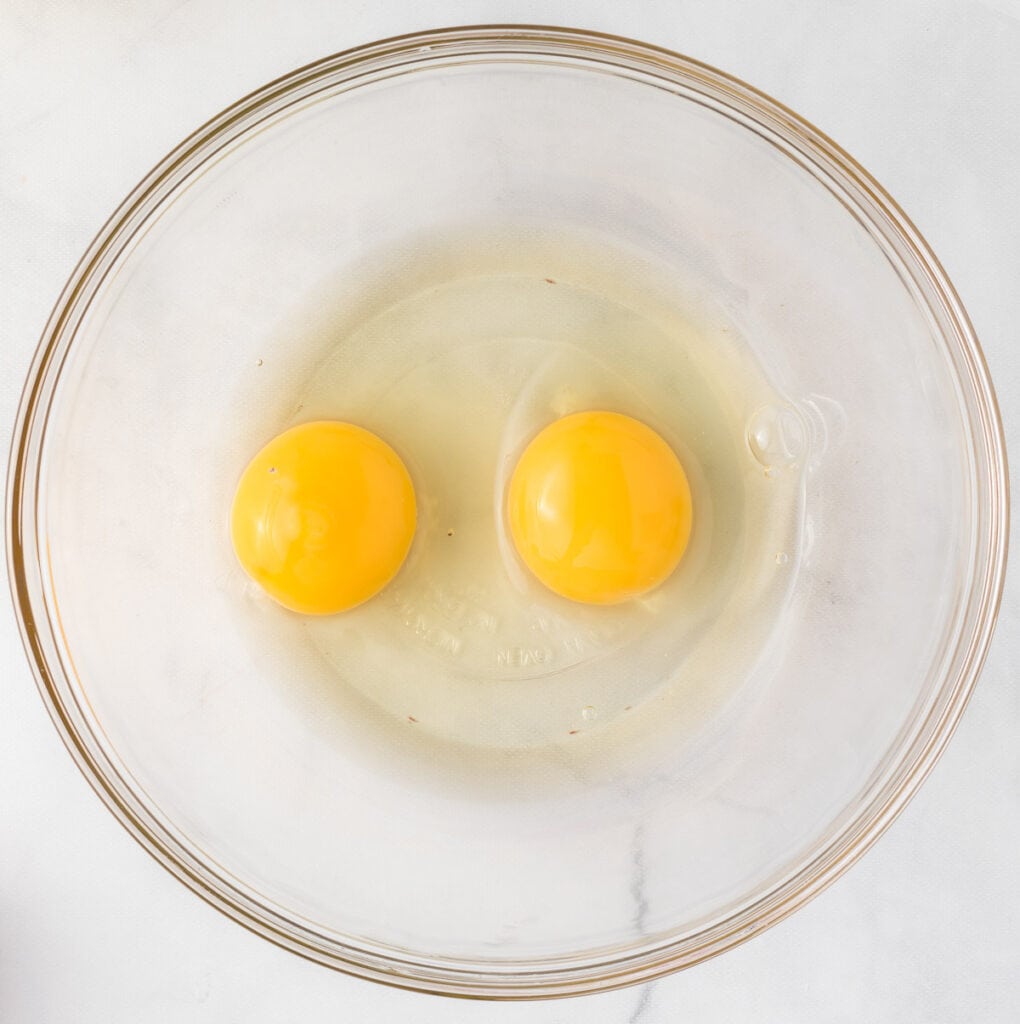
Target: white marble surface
[(927, 95)]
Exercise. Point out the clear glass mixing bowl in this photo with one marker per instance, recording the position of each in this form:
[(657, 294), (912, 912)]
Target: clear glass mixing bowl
[(327, 822)]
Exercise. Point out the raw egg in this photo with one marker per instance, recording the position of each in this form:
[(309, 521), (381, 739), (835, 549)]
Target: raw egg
[(599, 508), (323, 517)]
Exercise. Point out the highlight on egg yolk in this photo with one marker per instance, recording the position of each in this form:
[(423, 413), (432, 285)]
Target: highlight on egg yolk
[(599, 508), (323, 517)]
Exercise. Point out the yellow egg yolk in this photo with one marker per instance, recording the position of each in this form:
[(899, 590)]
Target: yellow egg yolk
[(599, 508), (323, 517)]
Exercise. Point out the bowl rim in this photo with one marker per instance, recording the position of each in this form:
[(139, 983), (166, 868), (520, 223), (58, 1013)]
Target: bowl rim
[(41, 631)]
